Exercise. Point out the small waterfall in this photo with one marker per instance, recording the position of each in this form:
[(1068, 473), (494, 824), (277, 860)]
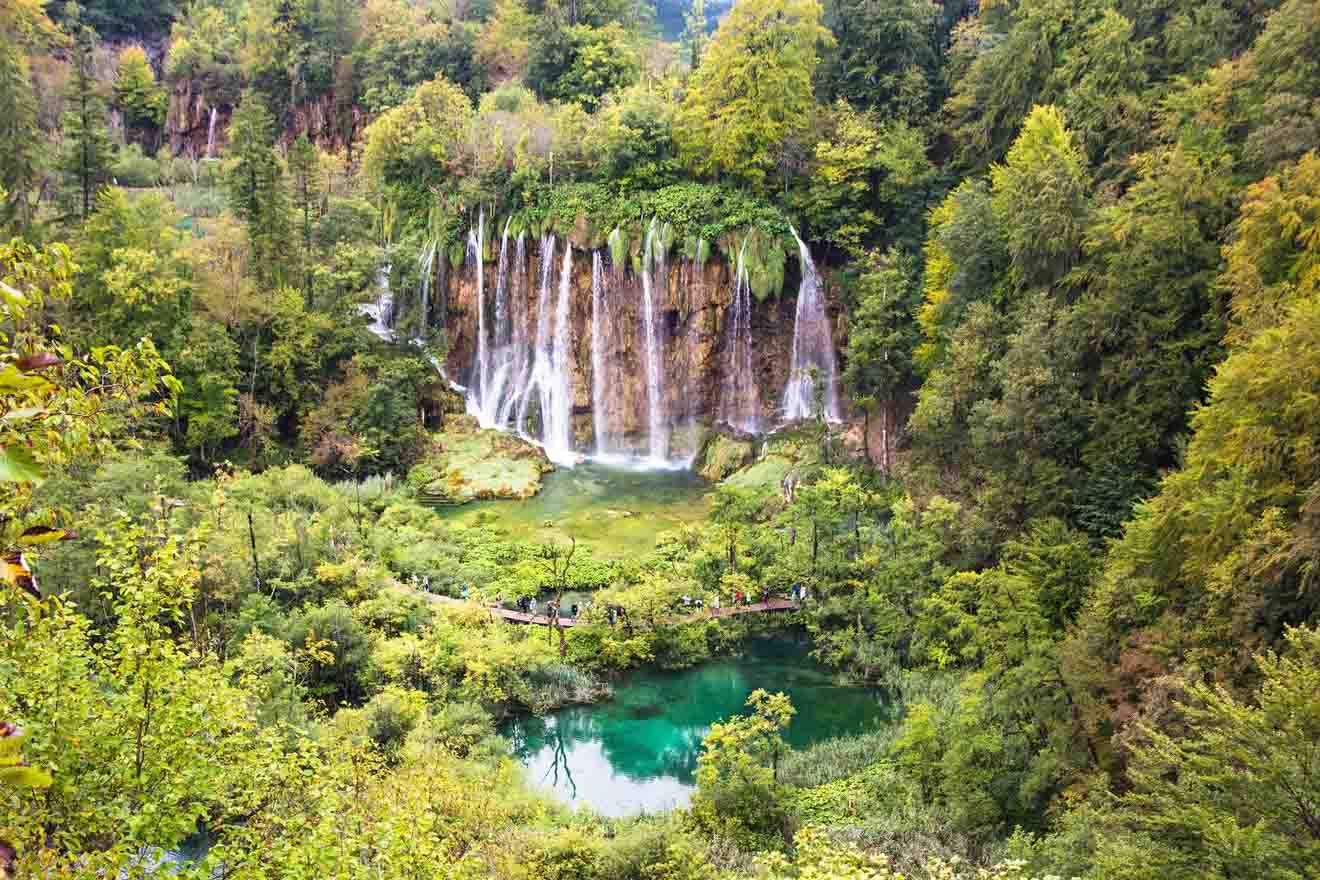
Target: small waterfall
[(381, 312), (538, 378), (741, 406), (210, 135), (813, 350), (426, 271), (598, 355), (657, 429)]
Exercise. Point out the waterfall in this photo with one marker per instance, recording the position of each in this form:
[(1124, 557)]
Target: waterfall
[(499, 365), (518, 353), (501, 328), (598, 354), (210, 135), (813, 349), (741, 406), (656, 426), (476, 252), (426, 269), (541, 368), (558, 414), (381, 312)]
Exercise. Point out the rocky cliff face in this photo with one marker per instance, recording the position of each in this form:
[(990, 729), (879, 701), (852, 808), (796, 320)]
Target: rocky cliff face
[(607, 369)]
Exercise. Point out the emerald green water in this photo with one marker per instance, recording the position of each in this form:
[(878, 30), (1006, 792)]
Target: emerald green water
[(638, 752), (617, 511)]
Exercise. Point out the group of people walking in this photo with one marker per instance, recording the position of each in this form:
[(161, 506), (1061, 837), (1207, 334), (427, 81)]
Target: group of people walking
[(528, 605), (617, 614)]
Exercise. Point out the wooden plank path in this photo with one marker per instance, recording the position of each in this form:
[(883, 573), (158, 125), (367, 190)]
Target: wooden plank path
[(776, 603)]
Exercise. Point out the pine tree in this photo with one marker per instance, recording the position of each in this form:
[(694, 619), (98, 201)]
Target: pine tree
[(256, 187), (306, 177), (86, 160), (694, 32), (19, 138)]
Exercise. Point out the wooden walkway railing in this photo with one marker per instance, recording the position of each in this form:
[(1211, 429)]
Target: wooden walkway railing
[(775, 603)]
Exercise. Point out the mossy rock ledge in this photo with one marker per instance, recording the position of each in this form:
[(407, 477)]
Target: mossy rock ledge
[(722, 456), (466, 463)]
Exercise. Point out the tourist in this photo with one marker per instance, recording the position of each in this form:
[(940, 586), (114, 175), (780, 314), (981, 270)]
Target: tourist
[(531, 607), (737, 597), (573, 611), (611, 613), (715, 603), (465, 593)]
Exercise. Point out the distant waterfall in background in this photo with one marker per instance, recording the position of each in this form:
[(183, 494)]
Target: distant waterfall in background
[(813, 350), (740, 404), (210, 135)]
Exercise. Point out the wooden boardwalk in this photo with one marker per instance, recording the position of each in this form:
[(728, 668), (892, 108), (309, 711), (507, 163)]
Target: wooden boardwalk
[(777, 603)]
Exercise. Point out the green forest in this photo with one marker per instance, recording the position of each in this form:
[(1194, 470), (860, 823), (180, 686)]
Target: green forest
[(977, 342)]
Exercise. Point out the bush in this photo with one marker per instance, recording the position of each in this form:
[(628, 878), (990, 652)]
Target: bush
[(391, 716), (135, 170)]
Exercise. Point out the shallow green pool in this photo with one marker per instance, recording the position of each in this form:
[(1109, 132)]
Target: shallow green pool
[(617, 511), (638, 752)]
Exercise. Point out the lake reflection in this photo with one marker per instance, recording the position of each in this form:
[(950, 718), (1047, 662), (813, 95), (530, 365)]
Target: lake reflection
[(638, 752)]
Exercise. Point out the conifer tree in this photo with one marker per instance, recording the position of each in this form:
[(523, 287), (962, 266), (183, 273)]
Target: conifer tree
[(87, 150), (19, 138), (694, 32), (256, 187), (306, 177)]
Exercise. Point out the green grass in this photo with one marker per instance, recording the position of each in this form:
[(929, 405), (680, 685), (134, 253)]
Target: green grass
[(836, 759)]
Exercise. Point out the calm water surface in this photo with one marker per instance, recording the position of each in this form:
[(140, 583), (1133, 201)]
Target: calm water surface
[(638, 752)]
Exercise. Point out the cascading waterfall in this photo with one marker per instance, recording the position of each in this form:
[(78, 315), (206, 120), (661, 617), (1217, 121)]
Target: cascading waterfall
[(542, 369), (426, 270), (813, 350), (598, 355), (657, 429), (741, 405), (524, 356), (381, 312), (518, 354), (210, 135)]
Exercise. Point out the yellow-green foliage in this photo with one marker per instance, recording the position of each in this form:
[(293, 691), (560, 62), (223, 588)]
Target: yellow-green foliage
[(753, 89)]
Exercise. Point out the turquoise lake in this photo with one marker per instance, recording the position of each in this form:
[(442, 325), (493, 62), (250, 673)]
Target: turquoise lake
[(638, 752)]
